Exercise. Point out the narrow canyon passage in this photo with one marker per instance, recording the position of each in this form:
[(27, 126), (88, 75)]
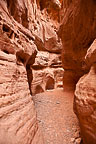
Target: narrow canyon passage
[(56, 117)]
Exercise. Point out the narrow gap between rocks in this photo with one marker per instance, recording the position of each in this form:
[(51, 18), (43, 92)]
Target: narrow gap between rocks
[(56, 118)]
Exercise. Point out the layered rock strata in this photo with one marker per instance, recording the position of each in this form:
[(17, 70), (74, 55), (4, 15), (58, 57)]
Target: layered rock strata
[(18, 123), (26, 27), (36, 31)]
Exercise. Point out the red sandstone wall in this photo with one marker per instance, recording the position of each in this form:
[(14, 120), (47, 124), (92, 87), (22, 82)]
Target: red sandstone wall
[(24, 27)]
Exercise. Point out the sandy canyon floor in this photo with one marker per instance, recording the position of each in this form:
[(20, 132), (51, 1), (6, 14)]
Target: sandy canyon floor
[(56, 118)]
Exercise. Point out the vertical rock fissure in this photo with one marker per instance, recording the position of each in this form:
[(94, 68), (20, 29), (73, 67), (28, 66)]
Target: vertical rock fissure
[(27, 61), (29, 76)]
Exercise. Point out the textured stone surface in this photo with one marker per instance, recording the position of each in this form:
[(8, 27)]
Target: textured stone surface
[(85, 99), (18, 123), (46, 37), (85, 105), (47, 73), (25, 27), (47, 79), (36, 33), (46, 59), (77, 31), (90, 57), (78, 34), (34, 27)]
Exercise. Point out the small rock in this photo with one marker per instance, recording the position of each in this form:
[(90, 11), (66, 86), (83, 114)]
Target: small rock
[(78, 141), (57, 102), (77, 134), (72, 139)]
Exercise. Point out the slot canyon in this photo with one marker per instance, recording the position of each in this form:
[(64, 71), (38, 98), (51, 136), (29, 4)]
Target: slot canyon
[(47, 72)]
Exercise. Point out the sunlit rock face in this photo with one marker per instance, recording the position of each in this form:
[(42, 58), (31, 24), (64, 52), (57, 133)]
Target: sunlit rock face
[(32, 16), (18, 122), (27, 28), (77, 31), (48, 72)]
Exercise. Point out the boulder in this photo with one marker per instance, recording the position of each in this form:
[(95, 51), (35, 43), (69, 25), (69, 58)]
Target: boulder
[(42, 60), (46, 38), (46, 59)]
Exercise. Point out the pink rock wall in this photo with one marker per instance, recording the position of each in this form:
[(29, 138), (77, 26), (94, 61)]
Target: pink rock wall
[(18, 123), (26, 27)]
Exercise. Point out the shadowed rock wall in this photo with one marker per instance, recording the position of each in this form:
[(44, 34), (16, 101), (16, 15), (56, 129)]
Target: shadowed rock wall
[(85, 98), (78, 33)]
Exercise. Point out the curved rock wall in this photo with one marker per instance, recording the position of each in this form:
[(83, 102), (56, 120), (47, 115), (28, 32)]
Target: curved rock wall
[(25, 28), (85, 98), (85, 105), (77, 32), (18, 122)]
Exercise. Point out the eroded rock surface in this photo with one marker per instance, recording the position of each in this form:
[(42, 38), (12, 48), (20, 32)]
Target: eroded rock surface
[(85, 105), (47, 79), (78, 34), (77, 31), (48, 72), (26, 27), (85, 98), (18, 122)]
